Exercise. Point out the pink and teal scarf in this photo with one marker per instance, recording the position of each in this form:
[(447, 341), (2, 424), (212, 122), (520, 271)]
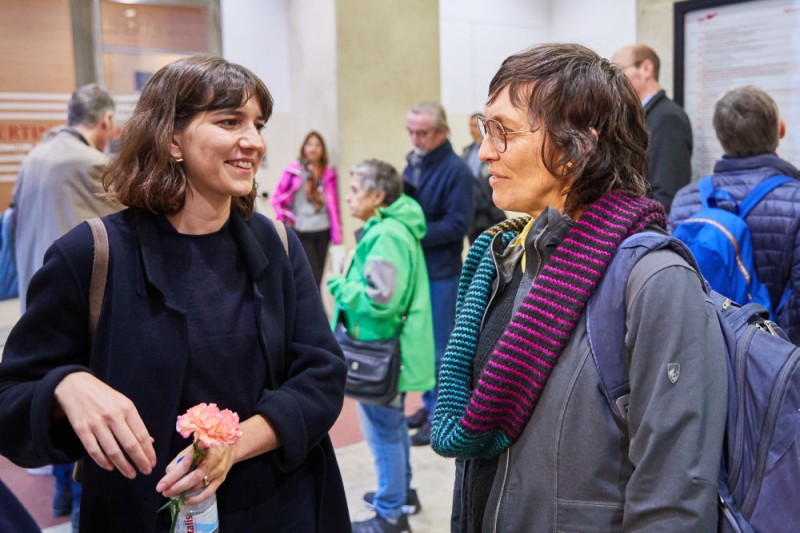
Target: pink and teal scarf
[(484, 421)]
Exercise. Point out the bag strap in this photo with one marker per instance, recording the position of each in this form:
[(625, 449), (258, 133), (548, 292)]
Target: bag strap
[(280, 227), (605, 314), (760, 191), (706, 187), (414, 270), (97, 287)]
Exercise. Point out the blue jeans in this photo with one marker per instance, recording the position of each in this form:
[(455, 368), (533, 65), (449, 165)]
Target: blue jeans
[(444, 293), (64, 482), (386, 433)]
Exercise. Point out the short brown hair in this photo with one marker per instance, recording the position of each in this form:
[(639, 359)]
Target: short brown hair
[(747, 122), (323, 159), (589, 112), (640, 53), (143, 173)]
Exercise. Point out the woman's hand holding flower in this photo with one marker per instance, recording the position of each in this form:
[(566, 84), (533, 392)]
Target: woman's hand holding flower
[(215, 465), (207, 461)]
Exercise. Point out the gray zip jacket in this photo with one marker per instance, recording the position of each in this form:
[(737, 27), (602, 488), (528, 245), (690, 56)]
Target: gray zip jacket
[(575, 468)]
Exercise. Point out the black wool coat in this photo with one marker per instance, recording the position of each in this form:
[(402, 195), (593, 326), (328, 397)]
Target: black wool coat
[(141, 349)]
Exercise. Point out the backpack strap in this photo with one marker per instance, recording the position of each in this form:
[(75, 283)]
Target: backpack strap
[(760, 191), (605, 314), (280, 227), (97, 287), (706, 187)]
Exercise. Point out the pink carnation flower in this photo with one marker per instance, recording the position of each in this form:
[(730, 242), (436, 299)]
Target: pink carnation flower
[(209, 425)]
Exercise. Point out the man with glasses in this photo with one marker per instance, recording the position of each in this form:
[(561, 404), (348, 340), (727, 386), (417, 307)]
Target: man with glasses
[(441, 182), (669, 156)]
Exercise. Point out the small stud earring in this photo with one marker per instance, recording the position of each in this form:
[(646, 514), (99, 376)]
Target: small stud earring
[(179, 160)]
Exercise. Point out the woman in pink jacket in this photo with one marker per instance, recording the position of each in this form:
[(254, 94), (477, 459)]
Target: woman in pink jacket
[(306, 200)]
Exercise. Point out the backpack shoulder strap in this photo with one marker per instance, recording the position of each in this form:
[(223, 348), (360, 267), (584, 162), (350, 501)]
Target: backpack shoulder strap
[(706, 187), (280, 227), (97, 287), (760, 191), (605, 314)]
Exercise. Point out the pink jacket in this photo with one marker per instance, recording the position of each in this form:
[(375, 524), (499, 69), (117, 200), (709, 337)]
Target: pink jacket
[(290, 182)]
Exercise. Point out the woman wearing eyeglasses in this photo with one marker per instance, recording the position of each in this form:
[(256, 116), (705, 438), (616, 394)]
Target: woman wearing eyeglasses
[(519, 399), (307, 200)]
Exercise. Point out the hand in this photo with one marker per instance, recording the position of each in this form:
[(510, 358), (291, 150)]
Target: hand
[(107, 423), (214, 466)]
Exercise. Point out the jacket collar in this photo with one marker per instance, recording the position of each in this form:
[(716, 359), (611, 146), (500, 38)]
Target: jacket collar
[(738, 164), (434, 156), (546, 233), (253, 257), (656, 98)]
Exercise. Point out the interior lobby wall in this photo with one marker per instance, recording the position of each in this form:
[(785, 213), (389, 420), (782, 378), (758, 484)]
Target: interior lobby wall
[(292, 47), (477, 36), (654, 27), (388, 58)]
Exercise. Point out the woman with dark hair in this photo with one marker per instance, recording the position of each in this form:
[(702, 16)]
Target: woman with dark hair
[(307, 200), (520, 401), (201, 304)]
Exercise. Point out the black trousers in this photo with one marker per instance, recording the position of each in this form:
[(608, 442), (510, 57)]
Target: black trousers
[(315, 244)]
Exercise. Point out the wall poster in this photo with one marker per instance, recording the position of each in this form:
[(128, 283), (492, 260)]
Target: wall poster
[(720, 45)]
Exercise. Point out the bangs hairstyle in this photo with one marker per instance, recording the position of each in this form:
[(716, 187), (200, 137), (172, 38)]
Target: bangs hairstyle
[(323, 159), (143, 174), (590, 116)]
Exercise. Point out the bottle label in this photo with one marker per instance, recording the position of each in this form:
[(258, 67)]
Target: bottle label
[(204, 522)]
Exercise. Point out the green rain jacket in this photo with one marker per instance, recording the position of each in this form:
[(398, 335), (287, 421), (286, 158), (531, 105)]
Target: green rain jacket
[(388, 271)]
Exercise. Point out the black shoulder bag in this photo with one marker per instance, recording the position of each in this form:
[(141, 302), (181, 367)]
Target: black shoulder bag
[(373, 367)]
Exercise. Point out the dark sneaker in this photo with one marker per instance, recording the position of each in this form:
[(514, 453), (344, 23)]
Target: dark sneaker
[(423, 435), (412, 505), (378, 524), (417, 419)]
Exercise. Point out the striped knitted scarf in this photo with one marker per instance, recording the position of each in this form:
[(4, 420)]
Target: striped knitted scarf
[(484, 421)]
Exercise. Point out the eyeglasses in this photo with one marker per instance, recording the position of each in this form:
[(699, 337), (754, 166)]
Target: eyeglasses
[(418, 133), (497, 133)]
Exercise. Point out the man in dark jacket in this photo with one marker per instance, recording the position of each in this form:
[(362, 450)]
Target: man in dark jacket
[(484, 213), (749, 128), (442, 184), (669, 156)]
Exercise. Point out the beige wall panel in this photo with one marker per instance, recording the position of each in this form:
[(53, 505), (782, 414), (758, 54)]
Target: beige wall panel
[(654, 27), (388, 58), (36, 40)]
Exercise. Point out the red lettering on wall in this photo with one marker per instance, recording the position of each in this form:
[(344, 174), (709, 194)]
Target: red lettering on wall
[(24, 132)]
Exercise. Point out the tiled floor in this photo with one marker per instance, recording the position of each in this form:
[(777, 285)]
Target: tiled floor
[(433, 475)]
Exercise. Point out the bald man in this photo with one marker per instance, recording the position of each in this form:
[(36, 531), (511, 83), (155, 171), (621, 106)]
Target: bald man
[(669, 156)]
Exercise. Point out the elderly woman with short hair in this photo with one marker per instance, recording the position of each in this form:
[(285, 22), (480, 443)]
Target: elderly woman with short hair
[(384, 291), (520, 399)]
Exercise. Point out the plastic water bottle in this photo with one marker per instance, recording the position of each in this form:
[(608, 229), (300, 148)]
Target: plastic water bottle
[(198, 518)]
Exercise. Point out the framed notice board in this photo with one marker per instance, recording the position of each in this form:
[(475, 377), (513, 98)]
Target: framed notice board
[(723, 44)]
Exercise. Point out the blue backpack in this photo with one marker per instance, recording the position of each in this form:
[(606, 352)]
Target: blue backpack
[(720, 242), (761, 452)]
